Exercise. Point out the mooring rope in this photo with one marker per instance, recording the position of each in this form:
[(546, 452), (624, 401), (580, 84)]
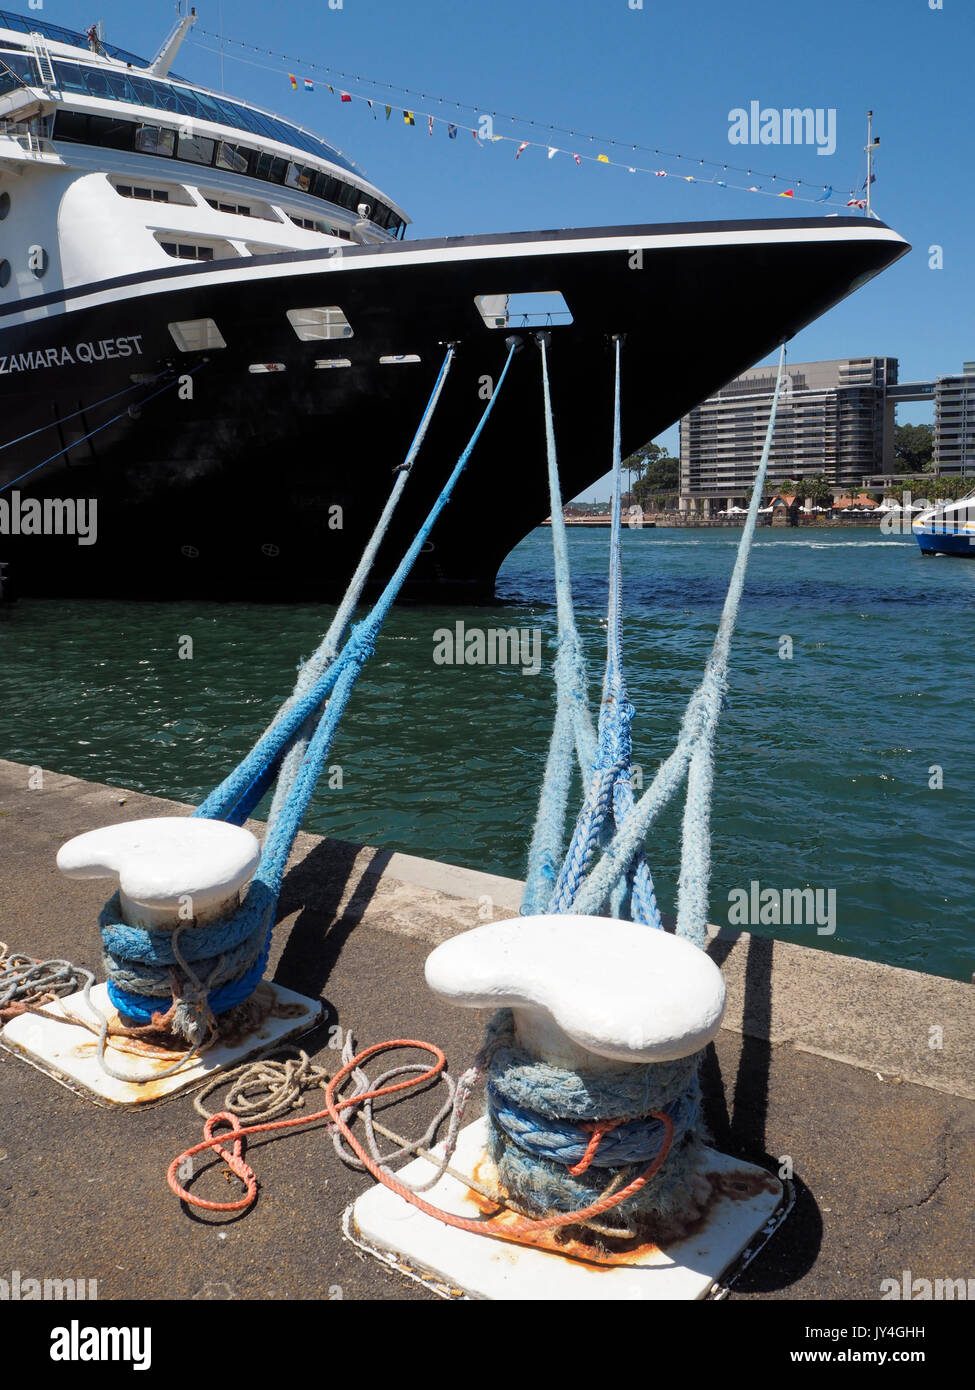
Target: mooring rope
[(190, 371), (555, 1133), (201, 994), (549, 1126), (328, 651), (573, 722), (609, 793), (695, 745)]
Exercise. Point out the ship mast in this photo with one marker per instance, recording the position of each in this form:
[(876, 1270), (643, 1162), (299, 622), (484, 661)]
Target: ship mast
[(163, 60), (870, 147)]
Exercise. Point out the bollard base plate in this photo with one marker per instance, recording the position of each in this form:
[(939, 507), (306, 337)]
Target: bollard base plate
[(749, 1204), (68, 1053)]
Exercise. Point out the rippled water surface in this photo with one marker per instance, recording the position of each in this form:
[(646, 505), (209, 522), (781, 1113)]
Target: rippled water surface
[(824, 761)]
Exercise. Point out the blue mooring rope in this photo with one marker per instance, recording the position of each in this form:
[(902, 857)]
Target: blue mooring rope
[(536, 1110), (295, 745)]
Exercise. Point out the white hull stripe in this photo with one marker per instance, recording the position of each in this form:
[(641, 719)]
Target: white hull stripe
[(246, 270)]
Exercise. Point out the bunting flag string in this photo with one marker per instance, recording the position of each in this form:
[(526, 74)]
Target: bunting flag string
[(453, 127)]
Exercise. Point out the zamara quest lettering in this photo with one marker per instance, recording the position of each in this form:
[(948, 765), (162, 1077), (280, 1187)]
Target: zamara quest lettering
[(96, 350)]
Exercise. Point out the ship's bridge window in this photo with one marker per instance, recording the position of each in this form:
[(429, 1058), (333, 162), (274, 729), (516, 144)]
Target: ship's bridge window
[(318, 325), (538, 309), (153, 139), (197, 335), (272, 168), (190, 101), (80, 128), (196, 148), (22, 69), (299, 176), (236, 158)]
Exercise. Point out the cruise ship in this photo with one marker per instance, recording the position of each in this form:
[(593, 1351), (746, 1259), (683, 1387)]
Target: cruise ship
[(217, 340)]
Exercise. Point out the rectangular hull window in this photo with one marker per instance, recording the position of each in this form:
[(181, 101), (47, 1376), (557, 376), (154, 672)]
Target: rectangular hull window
[(197, 335), (319, 325), (534, 309)]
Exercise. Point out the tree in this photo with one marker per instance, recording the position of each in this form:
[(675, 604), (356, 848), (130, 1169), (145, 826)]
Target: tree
[(931, 487), (817, 486), (660, 486), (913, 448), (659, 475)]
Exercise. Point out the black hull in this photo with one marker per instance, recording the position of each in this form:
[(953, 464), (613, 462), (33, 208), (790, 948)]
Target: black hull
[(229, 495)]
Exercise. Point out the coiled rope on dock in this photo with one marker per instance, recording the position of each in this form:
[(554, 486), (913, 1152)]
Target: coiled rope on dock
[(26, 983)]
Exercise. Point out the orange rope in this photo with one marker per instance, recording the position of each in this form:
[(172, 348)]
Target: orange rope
[(597, 1129), (333, 1108)]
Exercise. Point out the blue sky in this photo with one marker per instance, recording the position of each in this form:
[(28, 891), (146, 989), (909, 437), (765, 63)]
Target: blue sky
[(665, 76)]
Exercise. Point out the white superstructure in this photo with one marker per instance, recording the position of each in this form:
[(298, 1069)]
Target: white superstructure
[(109, 166)]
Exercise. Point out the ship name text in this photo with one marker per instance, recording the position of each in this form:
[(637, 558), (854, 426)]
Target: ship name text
[(100, 350)]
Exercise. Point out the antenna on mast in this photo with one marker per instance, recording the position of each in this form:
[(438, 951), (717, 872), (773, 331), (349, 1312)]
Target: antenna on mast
[(870, 147)]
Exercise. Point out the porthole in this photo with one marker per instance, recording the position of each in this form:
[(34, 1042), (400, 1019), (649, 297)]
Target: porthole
[(4, 274), (4, 205)]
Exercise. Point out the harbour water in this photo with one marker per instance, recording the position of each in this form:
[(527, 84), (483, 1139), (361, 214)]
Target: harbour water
[(845, 766)]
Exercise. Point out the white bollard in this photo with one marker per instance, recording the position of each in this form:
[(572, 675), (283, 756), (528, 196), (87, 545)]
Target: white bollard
[(170, 870), (586, 992)]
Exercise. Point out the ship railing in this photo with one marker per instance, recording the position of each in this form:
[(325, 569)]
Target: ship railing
[(28, 140)]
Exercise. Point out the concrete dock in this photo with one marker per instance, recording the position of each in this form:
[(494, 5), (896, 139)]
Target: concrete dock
[(861, 1075)]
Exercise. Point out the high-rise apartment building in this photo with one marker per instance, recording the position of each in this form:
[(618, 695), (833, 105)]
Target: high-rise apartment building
[(831, 419), (954, 423)]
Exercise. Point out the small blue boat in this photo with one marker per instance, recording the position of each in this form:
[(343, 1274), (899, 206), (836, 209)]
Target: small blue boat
[(947, 529)]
